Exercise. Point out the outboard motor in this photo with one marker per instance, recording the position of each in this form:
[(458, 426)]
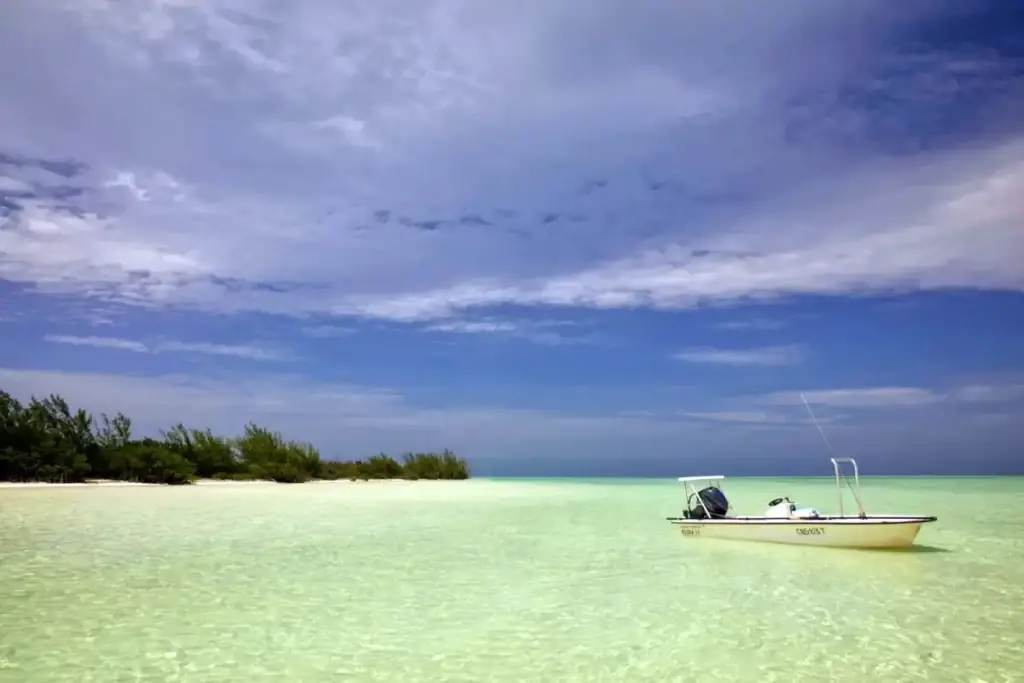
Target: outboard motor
[(714, 502)]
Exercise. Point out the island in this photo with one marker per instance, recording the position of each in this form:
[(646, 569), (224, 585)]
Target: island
[(45, 441)]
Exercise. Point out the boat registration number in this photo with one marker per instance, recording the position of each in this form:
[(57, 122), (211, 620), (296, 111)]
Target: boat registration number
[(811, 531), (689, 531)]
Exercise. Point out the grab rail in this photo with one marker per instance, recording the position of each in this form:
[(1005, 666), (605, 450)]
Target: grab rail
[(839, 488)]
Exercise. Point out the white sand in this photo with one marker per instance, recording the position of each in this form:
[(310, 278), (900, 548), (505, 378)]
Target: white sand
[(200, 482), (46, 484)]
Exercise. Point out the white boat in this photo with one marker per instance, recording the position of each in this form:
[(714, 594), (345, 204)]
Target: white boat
[(708, 515)]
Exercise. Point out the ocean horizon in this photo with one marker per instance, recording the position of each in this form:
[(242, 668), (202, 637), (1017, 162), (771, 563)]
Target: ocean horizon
[(499, 579)]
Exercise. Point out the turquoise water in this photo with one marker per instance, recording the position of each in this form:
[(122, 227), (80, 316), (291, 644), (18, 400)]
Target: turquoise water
[(498, 581)]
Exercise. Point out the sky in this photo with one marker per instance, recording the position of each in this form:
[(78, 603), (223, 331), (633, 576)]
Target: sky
[(561, 237)]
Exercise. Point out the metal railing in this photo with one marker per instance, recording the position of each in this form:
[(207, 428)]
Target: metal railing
[(839, 489)]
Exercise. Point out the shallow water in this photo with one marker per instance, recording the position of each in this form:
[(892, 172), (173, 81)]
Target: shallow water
[(498, 581)]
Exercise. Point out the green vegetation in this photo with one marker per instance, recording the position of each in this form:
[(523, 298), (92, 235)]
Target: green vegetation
[(45, 441)]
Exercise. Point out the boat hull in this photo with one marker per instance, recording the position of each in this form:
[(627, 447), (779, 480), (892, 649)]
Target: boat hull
[(836, 532)]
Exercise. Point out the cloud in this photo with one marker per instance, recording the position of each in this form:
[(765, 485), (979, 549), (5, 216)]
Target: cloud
[(334, 416), (952, 233), (249, 352), (236, 350), (327, 331), (986, 393), (997, 419), (765, 355), (544, 332), (98, 342), (866, 397), (740, 417), (351, 420), (883, 397), (760, 420), (441, 166), (407, 163), (864, 407), (754, 324)]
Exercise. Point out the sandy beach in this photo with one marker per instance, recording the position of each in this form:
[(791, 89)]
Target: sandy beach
[(97, 483)]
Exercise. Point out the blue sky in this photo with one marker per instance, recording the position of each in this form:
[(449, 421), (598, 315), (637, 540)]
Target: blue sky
[(558, 236)]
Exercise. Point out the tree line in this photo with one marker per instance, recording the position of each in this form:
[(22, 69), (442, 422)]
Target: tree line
[(44, 440)]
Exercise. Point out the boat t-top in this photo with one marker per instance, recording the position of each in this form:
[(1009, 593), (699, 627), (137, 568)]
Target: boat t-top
[(708, 513)]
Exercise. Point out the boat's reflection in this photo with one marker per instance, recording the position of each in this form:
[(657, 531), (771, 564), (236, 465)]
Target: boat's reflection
[(808, 565)]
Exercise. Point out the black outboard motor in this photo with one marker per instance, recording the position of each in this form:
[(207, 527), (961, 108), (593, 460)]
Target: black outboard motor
[(714, 502)]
